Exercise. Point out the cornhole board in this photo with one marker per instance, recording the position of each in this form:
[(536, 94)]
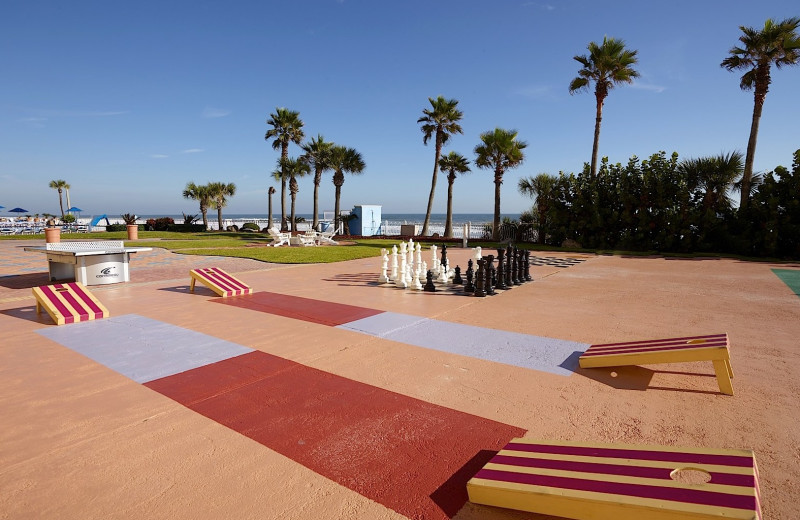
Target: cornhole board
[(714, 348), (617, 482), (68, 303), (219, 281)]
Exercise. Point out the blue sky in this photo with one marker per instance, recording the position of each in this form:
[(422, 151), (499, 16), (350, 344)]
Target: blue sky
[(130, 101)]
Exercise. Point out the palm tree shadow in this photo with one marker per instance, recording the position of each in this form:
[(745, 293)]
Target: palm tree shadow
[(28, 313), (355, 279), (25, 281)]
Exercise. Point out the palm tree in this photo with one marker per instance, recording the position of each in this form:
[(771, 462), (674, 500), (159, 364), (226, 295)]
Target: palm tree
[(294, 168), (539, 187), (500, 151), (60, 185), (452, 164), (219, 191), (201, 194), (287, 127), (317, 156), (441, 121), (715, 176), (776, 43), (270, 193), (343, 160), (607, 65)]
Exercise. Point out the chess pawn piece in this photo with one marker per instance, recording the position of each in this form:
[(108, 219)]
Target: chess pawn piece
[(501, 269), (400, 281), (509, 267), (429, 287), (479, 279), (443, 277), (384, 266), (457, 277), (489, 266), (528, 276), (394, 263), (415, 283), (469, 287)]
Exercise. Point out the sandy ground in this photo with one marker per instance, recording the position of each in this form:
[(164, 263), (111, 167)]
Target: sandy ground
[(82, 441)]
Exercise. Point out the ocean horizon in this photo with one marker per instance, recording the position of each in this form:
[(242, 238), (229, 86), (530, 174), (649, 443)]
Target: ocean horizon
[(403, 218)]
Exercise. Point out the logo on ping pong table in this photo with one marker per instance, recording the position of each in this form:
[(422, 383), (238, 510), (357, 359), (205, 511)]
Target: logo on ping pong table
[(106, 272)]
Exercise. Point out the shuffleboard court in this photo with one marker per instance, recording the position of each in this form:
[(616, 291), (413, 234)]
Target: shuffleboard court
[(790, 277)]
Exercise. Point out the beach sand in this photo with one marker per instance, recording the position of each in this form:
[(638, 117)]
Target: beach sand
[(82, 440)]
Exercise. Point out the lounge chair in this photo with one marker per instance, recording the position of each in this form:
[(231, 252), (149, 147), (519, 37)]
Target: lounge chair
[(278, 238), (326, 237)]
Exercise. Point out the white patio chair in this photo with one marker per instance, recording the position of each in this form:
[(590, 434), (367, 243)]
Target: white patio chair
[(278, 238)]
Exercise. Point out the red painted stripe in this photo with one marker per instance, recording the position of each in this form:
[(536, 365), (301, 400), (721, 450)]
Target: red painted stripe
[(661, 344), (80, 313), (306, 309), (687, 496), (411, 456), (87, 300), (49, 292), (739, 461), (224, 284), (686, 338), (645, 351), (239, 286), (728, 479)]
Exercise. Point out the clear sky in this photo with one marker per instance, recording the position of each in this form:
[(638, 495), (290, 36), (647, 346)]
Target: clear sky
[(129, 101)]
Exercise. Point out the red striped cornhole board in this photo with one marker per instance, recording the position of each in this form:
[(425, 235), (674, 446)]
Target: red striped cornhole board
[(68, 303), (713, 347), (617, 481), (219, 281)]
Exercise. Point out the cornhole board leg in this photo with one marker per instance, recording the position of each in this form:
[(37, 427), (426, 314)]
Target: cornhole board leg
[(724, 374)]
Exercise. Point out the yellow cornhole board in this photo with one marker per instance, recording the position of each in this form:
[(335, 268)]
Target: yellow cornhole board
[(68, 303), (620, 482), (219, 281), (714, 347)]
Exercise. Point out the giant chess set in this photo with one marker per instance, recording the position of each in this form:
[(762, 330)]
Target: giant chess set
[(405, 268)]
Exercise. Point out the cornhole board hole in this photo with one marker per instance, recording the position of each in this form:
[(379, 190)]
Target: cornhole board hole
[(714, 348), (68, 303), (219, 281), (618, 482)]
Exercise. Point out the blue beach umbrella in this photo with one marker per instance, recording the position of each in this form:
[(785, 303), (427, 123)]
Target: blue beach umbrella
[(18, 210), (75, 209)]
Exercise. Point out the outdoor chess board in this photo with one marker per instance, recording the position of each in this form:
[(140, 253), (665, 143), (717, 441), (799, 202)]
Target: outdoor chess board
[(556, 262)]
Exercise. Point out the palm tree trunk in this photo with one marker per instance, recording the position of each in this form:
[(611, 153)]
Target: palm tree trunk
[(293, 194), (338, 193), (317, 180), (61, 203), (219, 219), (204, 211), (269, 204), (448, 223), (433, 183), (747, 176), (284, 227), (498, 180), (596, 143)]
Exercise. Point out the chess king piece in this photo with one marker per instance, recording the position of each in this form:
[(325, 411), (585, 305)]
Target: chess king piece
[(469, 287), (394, 263), (501, 269), (400, 281), (488, 288), (480, 280), (509, 267), (528, 276)]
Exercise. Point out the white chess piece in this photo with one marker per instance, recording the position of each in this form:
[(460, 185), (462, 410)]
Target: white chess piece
[(394, 263), (478, 253), (410, 275), (384, 266), (419, 260), (400, 281), (434, 260), (443, 274), (415, 283)]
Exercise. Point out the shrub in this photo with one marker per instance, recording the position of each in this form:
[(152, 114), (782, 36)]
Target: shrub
[(116, 227), (160, 224), (250, 226)]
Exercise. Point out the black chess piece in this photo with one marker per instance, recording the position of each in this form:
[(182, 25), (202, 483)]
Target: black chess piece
[(469, 287), (457, 277), (489, 287), (501, 269), (429, 287), (521, 266), (480, 279), (515, 267), (528, 277), (444, 256)]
